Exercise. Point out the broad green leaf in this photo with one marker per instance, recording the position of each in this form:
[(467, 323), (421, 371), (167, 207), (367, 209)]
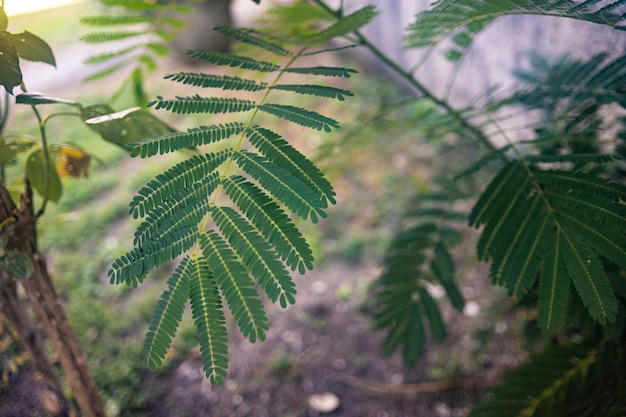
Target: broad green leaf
[(10, 72), (31, 47), (47, 185), (18, 264), (124, 127)]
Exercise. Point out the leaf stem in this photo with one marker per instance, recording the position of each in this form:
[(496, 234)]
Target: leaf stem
[(46, 158)]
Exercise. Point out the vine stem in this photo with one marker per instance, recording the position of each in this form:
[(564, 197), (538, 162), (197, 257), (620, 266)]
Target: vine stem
[(46, 159), (414, 82)]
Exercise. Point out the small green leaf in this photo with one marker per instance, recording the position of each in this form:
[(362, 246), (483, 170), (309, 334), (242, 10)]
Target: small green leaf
[(10, 72), (11, 148), (31, 47), (18, 265), (46, 185), (35, 99), (453, 55)]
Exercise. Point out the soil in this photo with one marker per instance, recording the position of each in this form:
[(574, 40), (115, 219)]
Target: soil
[(324, 344)]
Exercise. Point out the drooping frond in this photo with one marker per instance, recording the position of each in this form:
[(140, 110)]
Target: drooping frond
[(179, 177), (283, 186), (271, 222), (402, 295), (315, 90), (281, 153), (208, 316), (303, 117), (194, 137), (257, 254), (236, 286), (448, 16), (233, 207), (197, 104), (553, 225), (237, 61), (225, 82), (167, 315)]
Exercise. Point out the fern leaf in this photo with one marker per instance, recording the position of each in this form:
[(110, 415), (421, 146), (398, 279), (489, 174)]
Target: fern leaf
[(180, 177), (315, 90), (104, 57), (347, 24), (236, 61), (291, 191), (300, 116), (447, 16), (582, 182), (223, 82), (132, 267), (573, 158), (252, 37), (193, 138), (323, 71), (271, 221), (257, 254), (431, 311), (101, 37), (553, 286), (443, 268), (167, 315), (414, 340), (590, 281), (197, 104), (235, 285), (599, 208), (281, 153), (505, 182), (116, 20), (208, 315)]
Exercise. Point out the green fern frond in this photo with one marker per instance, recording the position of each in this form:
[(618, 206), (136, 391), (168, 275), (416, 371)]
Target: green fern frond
[(116, 20), (252, 37), (401, 294), (102, 37), (224, 82), (236, 61), (167, 315), (303, 117), (193, 138), (538, 221), (271, 221), (323, 71), (315, 90), (235, 285), (197, 104), (577, 158), (257, 254), (291, 191), (448, 16), (132, 267), (281, 153), (208, 316), (179, 177)]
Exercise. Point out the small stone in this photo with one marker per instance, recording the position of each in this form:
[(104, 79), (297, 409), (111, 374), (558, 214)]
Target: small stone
[(326, 402)]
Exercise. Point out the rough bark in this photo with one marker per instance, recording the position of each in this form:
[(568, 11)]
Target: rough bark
[(46, 305)]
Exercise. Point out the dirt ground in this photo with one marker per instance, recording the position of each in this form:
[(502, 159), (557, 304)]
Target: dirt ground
[(324, 344)]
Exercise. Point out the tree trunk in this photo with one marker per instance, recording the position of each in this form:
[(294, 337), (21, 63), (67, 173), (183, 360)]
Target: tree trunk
[(43, 299)]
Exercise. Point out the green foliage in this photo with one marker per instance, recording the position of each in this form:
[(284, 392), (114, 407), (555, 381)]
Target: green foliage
[(229, 210)]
